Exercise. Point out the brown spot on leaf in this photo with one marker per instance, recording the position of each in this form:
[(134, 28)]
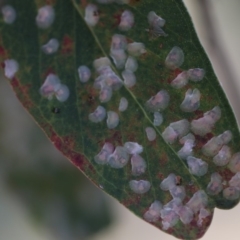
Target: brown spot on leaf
[(117, 18), (178, 180), (129, 40), (50, 2), (160, 176), (22, 92), (134, 2), (189, 230), (132, 201), (83, 3), (2, 51), (67, 45), (69, 141), (65, 145), (198, 114), (173, 75), (116, 138), (89, 95), (200, 141), (190, 188), (176, 72), (226, 174), (90, 99), (47, 72), (163, 160)]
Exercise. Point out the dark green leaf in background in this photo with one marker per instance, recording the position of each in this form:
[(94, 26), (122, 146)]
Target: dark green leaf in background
[(90, 30), (56, 196)]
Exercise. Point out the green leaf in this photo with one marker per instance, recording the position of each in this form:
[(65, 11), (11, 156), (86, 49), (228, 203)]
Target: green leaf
[(68, 122)]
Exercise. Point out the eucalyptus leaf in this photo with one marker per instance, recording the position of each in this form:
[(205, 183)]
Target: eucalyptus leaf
[(124, 90)]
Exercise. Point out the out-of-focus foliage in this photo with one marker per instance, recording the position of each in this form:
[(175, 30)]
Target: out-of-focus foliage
[(54, 193)]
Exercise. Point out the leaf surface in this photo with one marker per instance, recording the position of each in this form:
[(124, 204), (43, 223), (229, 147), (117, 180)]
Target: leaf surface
[(68, 124)]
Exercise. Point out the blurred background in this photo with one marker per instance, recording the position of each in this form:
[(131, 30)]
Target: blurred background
[(44, 197)]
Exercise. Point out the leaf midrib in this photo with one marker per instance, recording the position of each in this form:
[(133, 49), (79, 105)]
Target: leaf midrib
[(134, 98)]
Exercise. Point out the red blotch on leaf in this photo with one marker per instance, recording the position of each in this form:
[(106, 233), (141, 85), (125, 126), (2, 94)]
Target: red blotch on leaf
[(132, 201), (117, 18), (134, 2), (50, 2), (84, 3), (190, 188), (160, 176), (163, 160), (203, 140), (48, 71), (174, 74), (65, 145), (67, 45), (22, 92), (2, 51), (198, 114), (226, 174), (116, 138)]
